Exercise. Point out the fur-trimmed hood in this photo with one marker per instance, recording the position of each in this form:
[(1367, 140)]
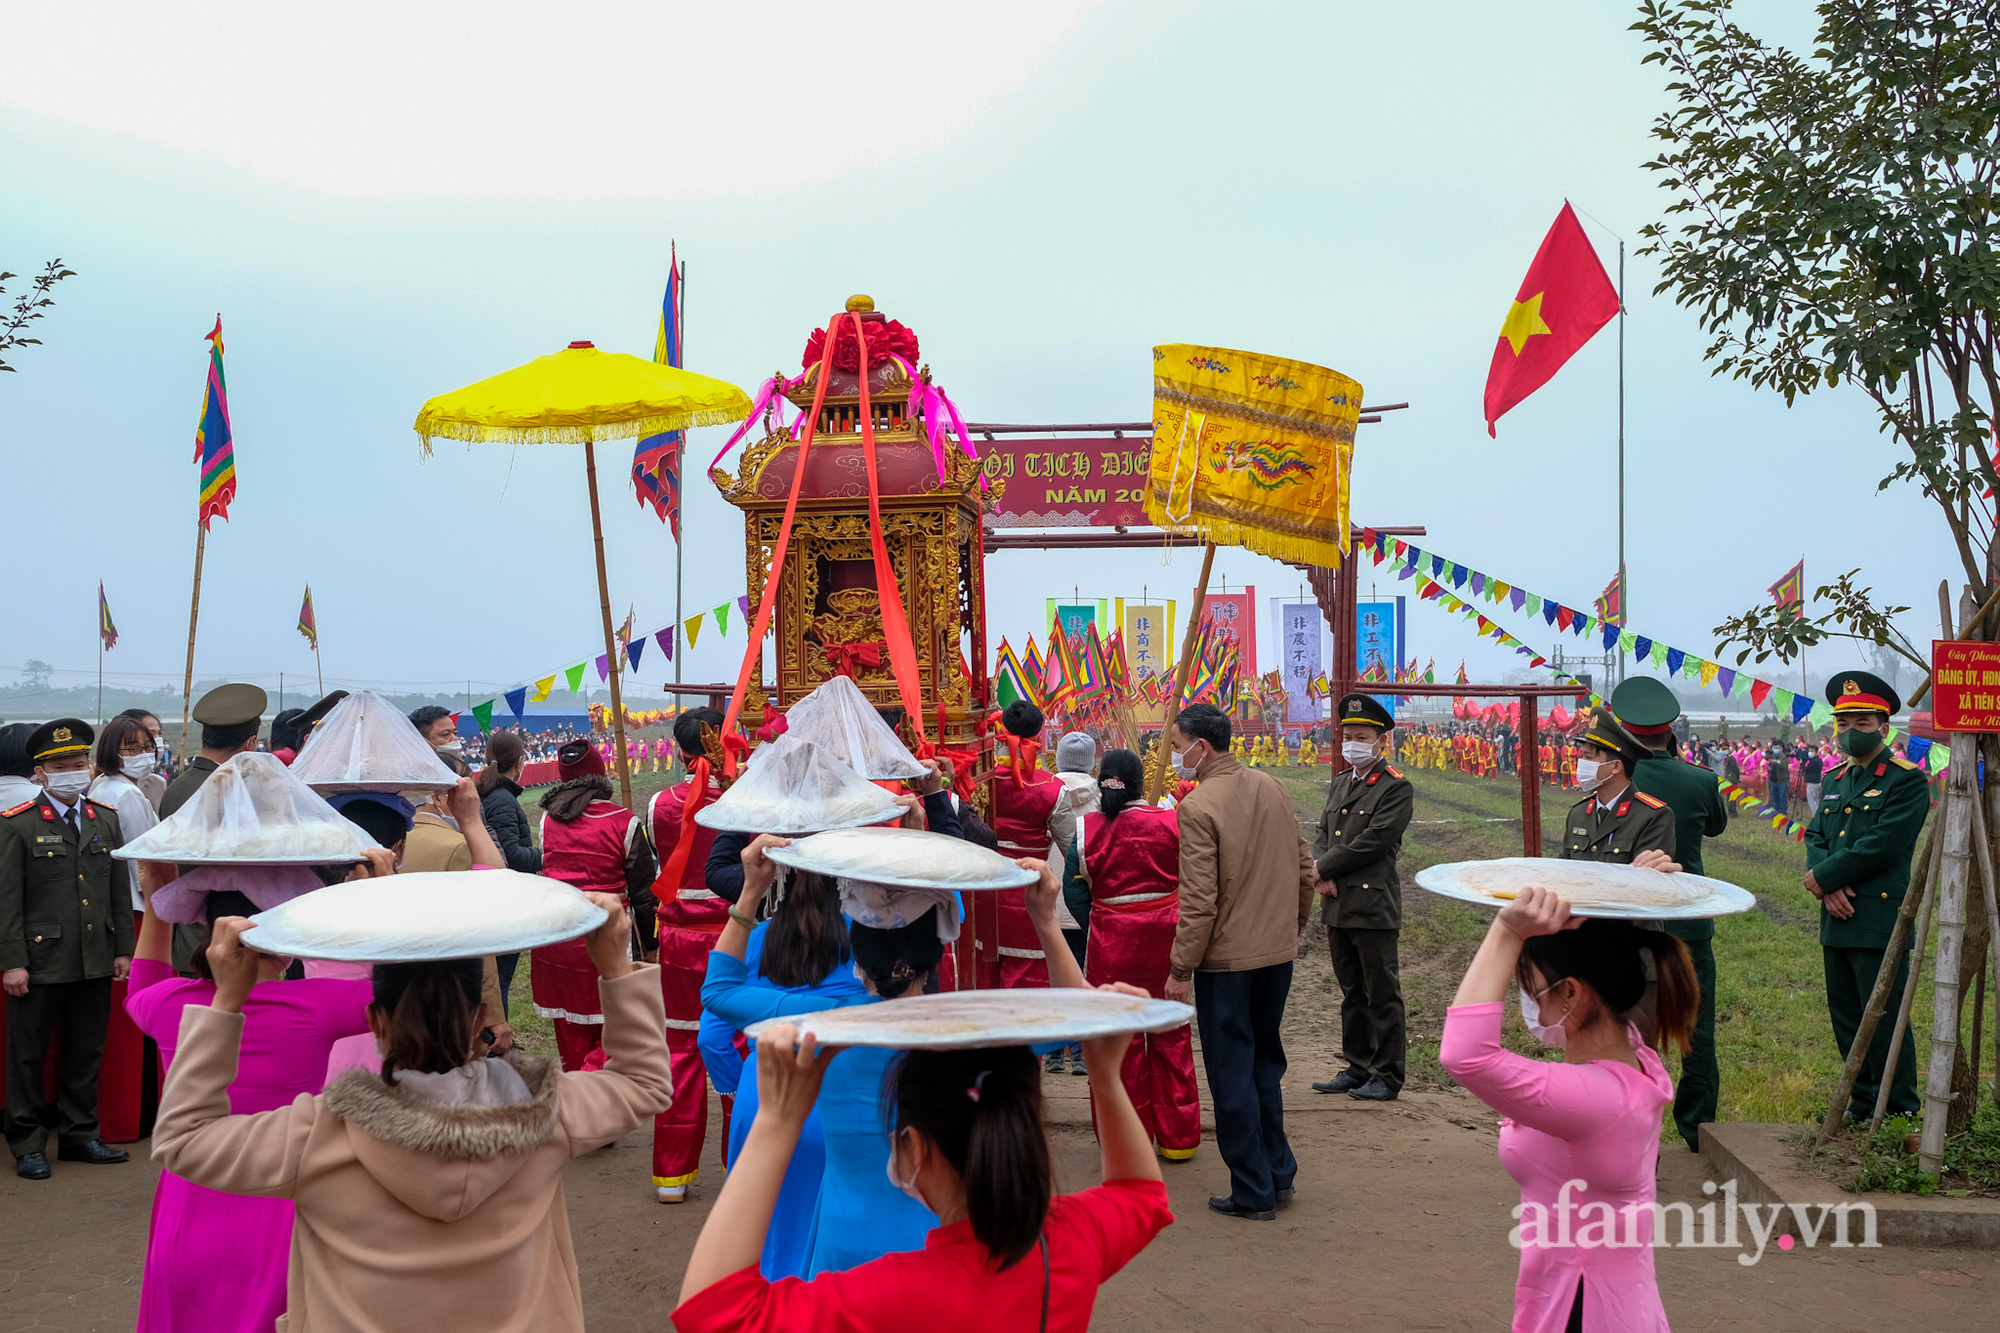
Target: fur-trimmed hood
[(443, 1161)]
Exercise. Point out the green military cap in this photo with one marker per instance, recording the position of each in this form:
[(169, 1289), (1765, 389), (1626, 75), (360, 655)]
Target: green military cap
[(1861, 692), (1645, 706), (1366, 709), (1606, 733), (230, 706), (60, 739)]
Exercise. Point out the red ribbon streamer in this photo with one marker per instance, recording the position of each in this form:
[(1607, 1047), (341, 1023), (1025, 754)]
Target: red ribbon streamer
[(845, 657)]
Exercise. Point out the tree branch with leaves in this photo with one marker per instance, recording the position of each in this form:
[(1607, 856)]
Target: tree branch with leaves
[(30, 306)]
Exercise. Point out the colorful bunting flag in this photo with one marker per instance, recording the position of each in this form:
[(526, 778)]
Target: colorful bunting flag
[(722, 619), (693, 627), (517, 701), (542, 688), (575, 675), (483, 715)]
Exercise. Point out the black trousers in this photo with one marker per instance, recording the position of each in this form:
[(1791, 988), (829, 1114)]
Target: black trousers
[(1371, 1003), (1238, 1015), (81, 1010)]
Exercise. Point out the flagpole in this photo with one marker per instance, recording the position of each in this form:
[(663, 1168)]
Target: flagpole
[(318, 670), (680, 340), (194, 616), (1156, 773), (1624, 588), (100, 656)]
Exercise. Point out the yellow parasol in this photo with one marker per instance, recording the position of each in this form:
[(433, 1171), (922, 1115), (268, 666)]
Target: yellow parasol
[(582, 395)]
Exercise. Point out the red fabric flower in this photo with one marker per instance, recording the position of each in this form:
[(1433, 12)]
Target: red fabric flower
[(884, 337)]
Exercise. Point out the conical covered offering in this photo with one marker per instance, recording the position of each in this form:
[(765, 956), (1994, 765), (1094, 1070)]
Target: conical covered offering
[(906, 858), (426, 916), (793, 787), (252, 810), (838, 718), (959, 1020), (365, 744)]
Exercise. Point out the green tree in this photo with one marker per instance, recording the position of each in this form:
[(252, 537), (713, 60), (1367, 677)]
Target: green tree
[(1833, 223), (30, 306)]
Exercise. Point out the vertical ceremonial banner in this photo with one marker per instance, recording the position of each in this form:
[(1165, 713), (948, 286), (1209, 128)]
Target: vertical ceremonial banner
[(107, 633), (1234, 616), (1565, 299), (308, 623), (1301, 663), (1149, 638), (656, 460), (1252, 451), (214, 447), (1789, 592), (1378, 642), (1076, 622)]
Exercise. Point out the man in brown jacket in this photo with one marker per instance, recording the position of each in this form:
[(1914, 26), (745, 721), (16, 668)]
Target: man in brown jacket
[(1247, 888)]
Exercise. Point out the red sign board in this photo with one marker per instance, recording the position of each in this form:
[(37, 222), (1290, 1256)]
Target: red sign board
[(1965, 686), (1094, 482)]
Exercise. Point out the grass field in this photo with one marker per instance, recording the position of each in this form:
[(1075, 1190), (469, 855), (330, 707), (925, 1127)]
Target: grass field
[(1773, 1039)]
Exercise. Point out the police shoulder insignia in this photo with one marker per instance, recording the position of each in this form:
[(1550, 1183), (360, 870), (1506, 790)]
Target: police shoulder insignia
[(1653, 801), (112, 806), (25, 805), (1901, 762), (1392, 770)]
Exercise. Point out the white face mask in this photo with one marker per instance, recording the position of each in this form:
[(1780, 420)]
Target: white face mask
[(1588, 773), (136, 766), (1531, 1015), (67, 786), (1357, 753), (909, 1186), (452, 748), (1181, 767)]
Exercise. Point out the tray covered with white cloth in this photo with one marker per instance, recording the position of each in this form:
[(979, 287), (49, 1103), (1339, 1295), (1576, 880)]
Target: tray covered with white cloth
[(426, 916), (905, 858), (252, 811), (1592, 888), (958, 1020), (793, 787), (366, 744)]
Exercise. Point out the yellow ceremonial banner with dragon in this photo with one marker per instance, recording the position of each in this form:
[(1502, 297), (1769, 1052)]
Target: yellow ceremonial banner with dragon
[(1252, 451)]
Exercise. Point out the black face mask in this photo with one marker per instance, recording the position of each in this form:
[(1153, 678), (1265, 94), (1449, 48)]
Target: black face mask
[(1859, 743)]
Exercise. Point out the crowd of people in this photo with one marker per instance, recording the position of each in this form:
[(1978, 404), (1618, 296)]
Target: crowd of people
[(325, 1134)]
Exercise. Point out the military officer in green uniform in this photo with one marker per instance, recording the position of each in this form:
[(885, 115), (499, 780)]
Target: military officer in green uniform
[(1871, 811), (65, 935), (229, 716), (1361, 900), (1615, 821), (1648, 709)]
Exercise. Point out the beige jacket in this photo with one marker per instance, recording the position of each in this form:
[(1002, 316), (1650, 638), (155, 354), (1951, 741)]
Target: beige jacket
[(413, 1215), (1246, 873)]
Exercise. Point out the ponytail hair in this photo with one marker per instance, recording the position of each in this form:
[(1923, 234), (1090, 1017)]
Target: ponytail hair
[(983, 1111), (1606, 955), (427, 1012), (1121, 780), (503, 750), (807, 937)]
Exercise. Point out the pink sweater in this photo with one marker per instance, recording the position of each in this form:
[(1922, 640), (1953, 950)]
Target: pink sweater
[(1582, 1142)]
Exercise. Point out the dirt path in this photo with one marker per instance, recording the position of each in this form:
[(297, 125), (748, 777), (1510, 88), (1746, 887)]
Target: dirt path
[(1401, 1222)]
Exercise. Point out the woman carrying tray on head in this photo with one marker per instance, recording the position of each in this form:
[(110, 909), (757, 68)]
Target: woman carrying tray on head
[(1594, 1119), (1129, 853), (428, 1194), (968, 1141)]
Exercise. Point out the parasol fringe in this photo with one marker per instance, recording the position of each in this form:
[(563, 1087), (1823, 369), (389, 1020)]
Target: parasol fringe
[(430, 428), (1295, 549)]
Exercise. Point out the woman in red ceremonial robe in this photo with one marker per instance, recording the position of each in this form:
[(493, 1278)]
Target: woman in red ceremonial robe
[(691, 917), (1024, 796), (1130, 854), (596, 845)]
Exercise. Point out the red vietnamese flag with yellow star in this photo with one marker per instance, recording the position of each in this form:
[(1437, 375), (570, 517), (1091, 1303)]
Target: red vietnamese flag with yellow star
[(1565, 298)]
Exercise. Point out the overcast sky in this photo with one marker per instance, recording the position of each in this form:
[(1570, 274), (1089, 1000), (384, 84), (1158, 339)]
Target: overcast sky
[(386, 202)]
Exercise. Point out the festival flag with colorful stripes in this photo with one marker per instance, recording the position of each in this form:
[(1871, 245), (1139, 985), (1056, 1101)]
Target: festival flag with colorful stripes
[(1060, 670), (308, 626), (656, 460), (214, 449), (1461, 675), (107, 633), (1789, 592), (1032, 667), (1010, 682)]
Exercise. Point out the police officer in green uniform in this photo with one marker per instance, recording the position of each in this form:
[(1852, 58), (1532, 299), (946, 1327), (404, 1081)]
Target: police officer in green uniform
[(1648, 709), (229, 716), (1615, 821), (1361, 900), (1871, 812), (65, 935)]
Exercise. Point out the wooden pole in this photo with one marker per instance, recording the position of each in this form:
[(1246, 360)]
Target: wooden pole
[(318, 671), (1156, 776), (194, 615), (1927, 901), (610, 644), (1959, 804)]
